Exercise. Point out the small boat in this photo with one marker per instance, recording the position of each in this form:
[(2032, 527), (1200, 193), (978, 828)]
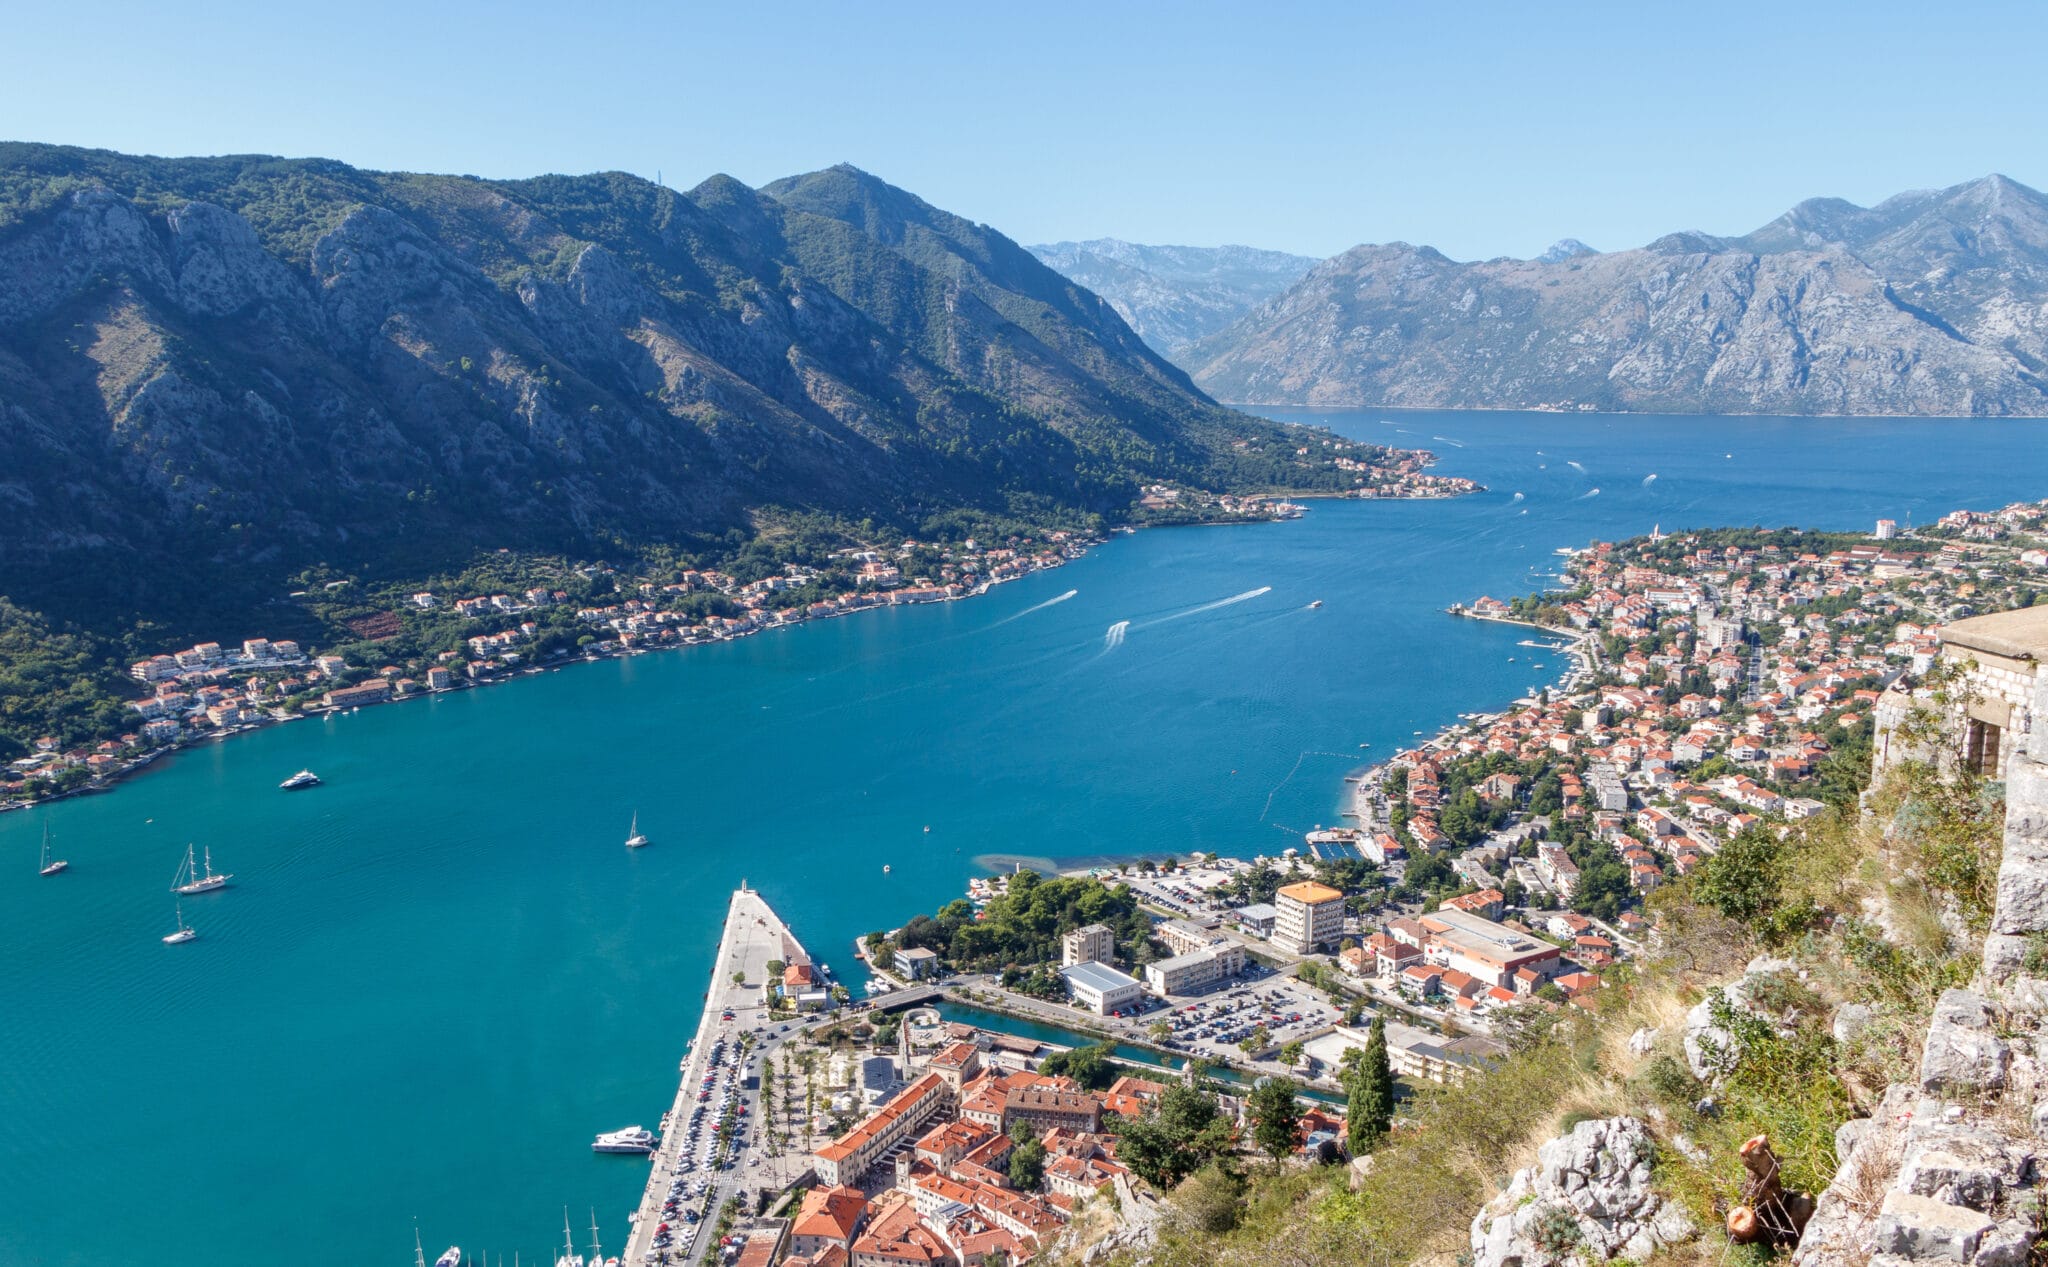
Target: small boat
[(304, 778), (190, 879), (1316, 604), (450, 1257), (633, 1139), (885, 868), (634, 839), (185, 931), (50, 867)]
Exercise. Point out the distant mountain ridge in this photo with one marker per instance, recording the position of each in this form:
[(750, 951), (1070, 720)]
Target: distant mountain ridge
[(1930, 303), (1175, 295), (213, 370)]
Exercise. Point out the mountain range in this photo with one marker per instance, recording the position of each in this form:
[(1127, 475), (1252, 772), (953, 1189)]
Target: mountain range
[(215, 370), (1929, 303), (1174, 296)]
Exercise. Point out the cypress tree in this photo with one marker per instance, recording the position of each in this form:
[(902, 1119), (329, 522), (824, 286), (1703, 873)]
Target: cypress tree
[(1369, 1109)]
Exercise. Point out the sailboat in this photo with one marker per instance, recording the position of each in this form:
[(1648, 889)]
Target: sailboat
[(569, 1258), (190, 880), (633, 837), (596, 1251), (49, 867), (185, 931)]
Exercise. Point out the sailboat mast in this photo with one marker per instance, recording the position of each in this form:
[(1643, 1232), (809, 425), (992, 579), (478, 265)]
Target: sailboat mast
[(596, 1251)]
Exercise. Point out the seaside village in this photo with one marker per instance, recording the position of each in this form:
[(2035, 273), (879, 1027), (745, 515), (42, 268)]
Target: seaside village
[(210, 689), (1494, 871), (476, 639)]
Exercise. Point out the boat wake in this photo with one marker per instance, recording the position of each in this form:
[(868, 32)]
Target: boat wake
[(1575, 466), (1649, 479), (1517, 497), (1209, 607), (1054, 601), (1114, 638), (1456, 444), (1591, 492)]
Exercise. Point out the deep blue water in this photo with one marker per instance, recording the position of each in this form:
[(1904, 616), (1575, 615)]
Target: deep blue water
[(439, 975)]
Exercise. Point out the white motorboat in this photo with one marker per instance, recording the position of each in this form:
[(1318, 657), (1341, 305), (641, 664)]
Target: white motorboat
[(304, 778), (633, 1139)]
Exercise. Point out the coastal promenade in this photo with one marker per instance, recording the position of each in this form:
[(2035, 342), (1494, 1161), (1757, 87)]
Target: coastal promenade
[(753, 935)]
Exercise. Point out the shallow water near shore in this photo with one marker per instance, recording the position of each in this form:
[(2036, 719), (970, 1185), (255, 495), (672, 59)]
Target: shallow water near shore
[(436, 977)]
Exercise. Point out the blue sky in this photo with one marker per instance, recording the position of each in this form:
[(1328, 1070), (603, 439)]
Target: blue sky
[(1480, 128)]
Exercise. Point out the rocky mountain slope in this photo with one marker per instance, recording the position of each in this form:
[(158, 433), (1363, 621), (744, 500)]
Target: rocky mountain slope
[(1928, 303), (1174, 296), (215, 369)]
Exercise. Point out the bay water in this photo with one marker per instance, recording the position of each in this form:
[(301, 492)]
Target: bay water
[(438, 975)]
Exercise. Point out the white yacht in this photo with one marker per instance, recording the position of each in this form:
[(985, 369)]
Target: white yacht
[(50, 867), (304, 778), (634, 839), (450, 1257), (185, 931), (633, 1139), (190, 879)]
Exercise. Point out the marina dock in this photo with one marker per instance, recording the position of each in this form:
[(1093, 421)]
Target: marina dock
[(753, 935)]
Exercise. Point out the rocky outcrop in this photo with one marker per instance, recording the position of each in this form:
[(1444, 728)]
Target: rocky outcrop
[(1710, 1048), (1950, 1167), (1930, 303), (1134, 1231), (1587, 1200)]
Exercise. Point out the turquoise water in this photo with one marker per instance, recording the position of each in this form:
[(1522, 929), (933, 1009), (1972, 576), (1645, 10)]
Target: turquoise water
[(437, 976)]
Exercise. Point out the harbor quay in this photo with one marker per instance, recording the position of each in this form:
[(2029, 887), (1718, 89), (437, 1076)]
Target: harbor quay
[(734, 1010)]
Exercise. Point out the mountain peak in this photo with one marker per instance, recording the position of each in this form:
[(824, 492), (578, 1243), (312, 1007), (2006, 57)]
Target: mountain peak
[(1564, 249)]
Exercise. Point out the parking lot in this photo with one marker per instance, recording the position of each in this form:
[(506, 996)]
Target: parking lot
[(1215, 1024)]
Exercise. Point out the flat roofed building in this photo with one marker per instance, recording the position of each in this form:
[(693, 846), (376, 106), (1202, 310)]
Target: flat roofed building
[(1182, 937), (1195, 971), (1310, 916), (1100, 988), (917, 963), (1257, 919), (1090, 943), (1491, 952)]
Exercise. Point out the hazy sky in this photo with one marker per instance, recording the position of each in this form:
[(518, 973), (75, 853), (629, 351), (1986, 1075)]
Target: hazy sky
[(1480, 128)]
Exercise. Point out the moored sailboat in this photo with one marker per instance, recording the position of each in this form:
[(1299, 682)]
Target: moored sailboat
[(50, 867), (185, 931), (634, 839), (190, 879)]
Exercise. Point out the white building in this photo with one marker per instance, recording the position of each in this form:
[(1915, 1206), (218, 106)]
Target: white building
[(1195, 971), (1310, 916), (1100, 988), (1090, 943)]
